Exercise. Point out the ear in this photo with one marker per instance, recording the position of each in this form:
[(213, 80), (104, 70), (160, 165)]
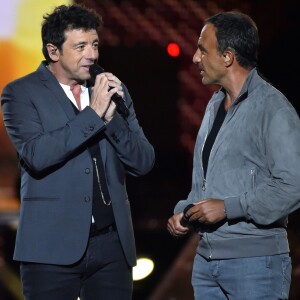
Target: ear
[(53, 52), (228, 57)]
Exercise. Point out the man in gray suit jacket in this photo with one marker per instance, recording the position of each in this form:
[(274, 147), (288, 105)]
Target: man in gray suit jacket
[(75, 235)]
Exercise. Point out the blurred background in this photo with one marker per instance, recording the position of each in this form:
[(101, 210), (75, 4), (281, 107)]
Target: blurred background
[(149, 45)]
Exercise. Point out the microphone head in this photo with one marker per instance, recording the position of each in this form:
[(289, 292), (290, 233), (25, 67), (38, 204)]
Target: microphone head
[(95, 70), (187, 208), (121, 108)]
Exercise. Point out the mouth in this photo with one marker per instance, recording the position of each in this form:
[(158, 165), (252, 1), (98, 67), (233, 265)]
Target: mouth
[(86, 68), (201, 69)]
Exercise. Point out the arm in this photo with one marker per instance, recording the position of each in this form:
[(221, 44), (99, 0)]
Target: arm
[(129, 141), (278, 194), (26, 120)]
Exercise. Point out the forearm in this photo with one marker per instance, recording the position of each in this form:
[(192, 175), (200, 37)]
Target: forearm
[(131, 145)]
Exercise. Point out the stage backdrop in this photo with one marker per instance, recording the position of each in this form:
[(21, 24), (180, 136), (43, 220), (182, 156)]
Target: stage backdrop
[(20, 53)]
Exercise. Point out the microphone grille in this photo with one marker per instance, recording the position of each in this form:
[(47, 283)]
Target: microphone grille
[(95, 70)]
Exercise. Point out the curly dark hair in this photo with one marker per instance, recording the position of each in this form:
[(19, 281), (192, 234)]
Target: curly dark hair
[(65, 18)]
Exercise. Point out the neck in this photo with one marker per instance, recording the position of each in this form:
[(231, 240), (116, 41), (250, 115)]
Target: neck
[(234, 85), (62, 79)]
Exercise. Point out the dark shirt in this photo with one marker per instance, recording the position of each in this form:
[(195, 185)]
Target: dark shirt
[(221, 114)]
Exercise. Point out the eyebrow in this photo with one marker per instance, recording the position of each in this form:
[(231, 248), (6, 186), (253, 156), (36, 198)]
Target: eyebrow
[(201, 47), (85, 43), (80, 43)]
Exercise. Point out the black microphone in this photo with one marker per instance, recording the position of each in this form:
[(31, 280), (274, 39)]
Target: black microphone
[(184, 220), (118, 100)]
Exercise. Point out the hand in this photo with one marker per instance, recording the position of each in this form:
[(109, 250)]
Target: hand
[(208, 211), (174, 227), (106, 84)]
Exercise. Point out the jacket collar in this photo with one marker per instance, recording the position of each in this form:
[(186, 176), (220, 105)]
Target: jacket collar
[(51, 83), (248, 86)]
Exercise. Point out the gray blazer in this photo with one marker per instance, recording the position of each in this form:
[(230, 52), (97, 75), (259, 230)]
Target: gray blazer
[(57, 172)]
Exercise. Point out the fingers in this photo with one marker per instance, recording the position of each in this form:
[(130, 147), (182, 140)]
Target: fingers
[(174, 227), (106, 85), (113, 80), (209, 211), (108, 82), (117, 89), (112, 85), (115, 86)]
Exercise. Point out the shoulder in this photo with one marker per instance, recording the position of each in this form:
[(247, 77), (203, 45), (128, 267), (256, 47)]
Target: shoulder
[(30, 80), (22, 81)]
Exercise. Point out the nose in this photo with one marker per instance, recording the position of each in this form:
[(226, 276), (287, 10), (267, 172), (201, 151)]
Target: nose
[(197, 57), (92, 53)]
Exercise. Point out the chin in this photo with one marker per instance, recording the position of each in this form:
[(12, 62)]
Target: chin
[(84, 77), (204, 81)]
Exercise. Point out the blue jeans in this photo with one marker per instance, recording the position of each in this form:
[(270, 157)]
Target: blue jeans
[(253, 278)]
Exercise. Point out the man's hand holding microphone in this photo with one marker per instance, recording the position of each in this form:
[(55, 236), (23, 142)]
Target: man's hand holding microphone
[(208, 211)]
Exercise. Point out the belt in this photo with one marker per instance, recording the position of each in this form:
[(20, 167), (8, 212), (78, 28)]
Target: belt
[(94, 231)]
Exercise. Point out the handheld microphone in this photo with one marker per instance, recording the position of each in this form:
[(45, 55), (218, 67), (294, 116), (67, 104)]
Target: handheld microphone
[(184, 221), (116, 98)]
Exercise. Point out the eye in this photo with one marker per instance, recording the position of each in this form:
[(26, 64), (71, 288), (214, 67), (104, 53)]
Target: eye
[(80, 47)]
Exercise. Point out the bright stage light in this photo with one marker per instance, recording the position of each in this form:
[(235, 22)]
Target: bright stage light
[(173, 49), (143, 268)]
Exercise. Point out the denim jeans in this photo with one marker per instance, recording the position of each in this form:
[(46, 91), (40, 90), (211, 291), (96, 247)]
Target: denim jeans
[(252, 278)]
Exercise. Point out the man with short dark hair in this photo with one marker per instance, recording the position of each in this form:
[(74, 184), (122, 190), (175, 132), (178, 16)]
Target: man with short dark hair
[(75, 236), (246, 177)]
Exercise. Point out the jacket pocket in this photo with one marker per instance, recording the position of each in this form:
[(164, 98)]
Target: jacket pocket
[(41, 198)]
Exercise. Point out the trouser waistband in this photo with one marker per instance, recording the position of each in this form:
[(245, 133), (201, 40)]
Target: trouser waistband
[(94, 231)]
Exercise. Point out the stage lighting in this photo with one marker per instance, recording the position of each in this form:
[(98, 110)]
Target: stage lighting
[(143, 268), (173, 49)]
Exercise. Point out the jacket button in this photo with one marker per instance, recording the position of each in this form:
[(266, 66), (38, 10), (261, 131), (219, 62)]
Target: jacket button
[(87, 199)]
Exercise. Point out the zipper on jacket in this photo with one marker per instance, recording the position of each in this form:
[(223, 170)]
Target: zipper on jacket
[(253, 177), (204, 185), (210, 125), (202, 155), (210, 250)]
